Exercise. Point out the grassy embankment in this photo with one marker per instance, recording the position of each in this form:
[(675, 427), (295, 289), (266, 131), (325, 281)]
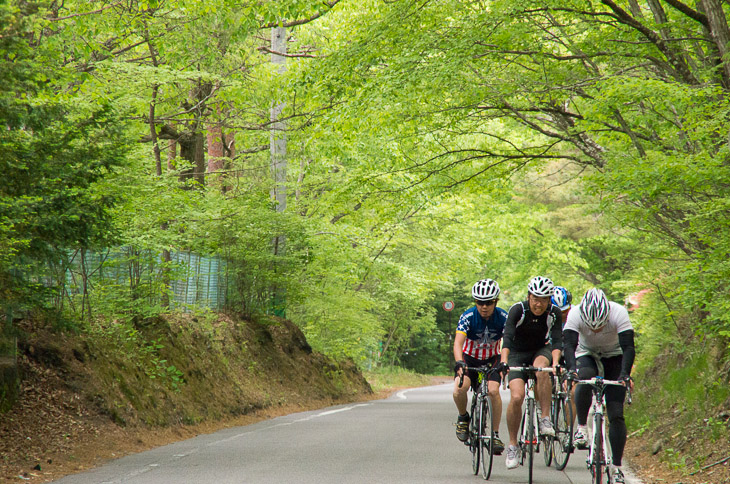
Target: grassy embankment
[(391, 378), (680, 413)]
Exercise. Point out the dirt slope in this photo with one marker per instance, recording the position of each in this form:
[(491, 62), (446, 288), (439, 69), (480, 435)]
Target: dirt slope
[(84, 400)]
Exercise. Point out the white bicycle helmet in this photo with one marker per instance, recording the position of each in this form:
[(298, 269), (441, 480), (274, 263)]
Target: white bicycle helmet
[(540, 286), (562, 298), (594, 309), (485, 290)]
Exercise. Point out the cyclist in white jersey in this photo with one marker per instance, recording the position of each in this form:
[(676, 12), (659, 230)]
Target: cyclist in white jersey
[(599, 340)]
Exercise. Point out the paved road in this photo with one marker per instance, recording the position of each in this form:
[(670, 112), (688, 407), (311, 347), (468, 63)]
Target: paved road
[(408, 438)]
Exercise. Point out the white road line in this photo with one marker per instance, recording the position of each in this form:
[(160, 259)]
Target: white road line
[(330, 412)]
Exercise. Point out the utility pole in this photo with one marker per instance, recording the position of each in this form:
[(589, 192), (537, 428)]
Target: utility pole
[(277, 146), (278, 134)]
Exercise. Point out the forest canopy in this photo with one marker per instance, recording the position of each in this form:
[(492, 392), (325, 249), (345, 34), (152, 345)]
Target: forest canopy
[(353, 165)]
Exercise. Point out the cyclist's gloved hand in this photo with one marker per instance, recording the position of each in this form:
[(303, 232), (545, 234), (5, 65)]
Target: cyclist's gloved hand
[(626, 380), (501, 367), (571, 375), (459, 365)]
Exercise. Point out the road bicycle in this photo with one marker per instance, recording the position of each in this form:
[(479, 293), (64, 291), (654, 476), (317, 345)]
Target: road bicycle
[(560, 446), (481, 428), (527, 439), (599, 452)]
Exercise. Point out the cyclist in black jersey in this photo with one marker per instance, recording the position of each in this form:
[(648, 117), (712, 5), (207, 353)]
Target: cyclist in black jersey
[(532, 336)]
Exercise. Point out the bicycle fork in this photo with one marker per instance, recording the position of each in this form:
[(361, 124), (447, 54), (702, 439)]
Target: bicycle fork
[(601, 445), (530, 399)]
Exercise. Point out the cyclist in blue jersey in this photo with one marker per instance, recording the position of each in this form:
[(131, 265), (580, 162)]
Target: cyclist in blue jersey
[(562, 298), (476, 343)]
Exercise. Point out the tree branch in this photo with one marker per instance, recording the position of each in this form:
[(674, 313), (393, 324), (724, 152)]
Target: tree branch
[(693, 14), (57, 19), (266, 50), (330, 4)]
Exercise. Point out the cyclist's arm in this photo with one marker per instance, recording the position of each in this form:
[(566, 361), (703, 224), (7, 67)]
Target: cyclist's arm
[(510, 326), (626, 341), (459, 346), (556, 336), (505, 355), (570, 342), (556, 358)]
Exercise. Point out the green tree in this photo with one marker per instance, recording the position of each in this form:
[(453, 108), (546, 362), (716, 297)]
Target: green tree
[(54, 154)]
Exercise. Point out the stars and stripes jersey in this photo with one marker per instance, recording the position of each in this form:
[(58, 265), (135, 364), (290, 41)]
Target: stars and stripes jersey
[(483, 337)]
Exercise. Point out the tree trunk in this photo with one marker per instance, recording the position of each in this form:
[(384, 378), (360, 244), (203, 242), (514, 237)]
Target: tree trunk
[(221, 150), (720, 34), (192, 150), (171, 153), (215, 148)]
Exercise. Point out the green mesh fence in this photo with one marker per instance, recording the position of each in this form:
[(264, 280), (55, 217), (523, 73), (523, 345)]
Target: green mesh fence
[(204, 283), (193, 280)]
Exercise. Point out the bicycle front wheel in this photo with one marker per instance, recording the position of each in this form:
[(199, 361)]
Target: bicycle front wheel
[(563, 423), (487, 438), (474, 442), (597, 464), (531, 438)]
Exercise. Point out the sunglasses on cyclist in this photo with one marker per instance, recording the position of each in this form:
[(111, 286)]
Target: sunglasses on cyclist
[(486, 303)]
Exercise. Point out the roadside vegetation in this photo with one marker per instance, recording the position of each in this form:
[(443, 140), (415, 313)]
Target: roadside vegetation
[(387, 379), (349, 167)]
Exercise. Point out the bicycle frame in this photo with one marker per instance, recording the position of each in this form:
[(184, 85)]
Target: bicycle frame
[(481, 444), (527, 438), (529, 412), (559, 447), (599, 452)]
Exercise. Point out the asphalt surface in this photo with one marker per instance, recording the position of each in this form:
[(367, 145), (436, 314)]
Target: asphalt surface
[(407, 438)]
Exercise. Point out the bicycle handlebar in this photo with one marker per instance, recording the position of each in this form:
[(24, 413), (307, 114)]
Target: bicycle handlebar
[(599, 383), (481, 369), (533, 369), (548, 369)]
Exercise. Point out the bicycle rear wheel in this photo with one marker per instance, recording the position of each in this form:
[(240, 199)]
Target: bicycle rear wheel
[(474, 442), (597, 464), (546, 443), (563, 423), (531, 438), (487, 438)]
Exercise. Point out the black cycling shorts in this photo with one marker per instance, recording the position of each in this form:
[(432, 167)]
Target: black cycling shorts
[(526, 358), (474, 375)]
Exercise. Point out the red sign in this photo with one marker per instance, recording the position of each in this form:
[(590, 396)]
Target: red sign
[(448, 305)]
